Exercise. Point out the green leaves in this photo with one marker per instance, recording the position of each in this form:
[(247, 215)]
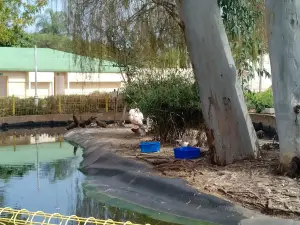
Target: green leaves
[(57, 42), (243, 20), (52, 22), (259, 101), (147, 33), (170, 99), (15, 15)]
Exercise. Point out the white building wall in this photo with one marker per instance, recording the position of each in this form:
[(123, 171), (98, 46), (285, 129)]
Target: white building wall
[(45, 84), (22, 84), (85, 88), (3, 86), (16, 83), (59, 87), (95, 77), (87, 83), (266, 82)]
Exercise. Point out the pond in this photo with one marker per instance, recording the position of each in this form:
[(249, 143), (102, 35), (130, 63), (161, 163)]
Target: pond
[(38, 171)]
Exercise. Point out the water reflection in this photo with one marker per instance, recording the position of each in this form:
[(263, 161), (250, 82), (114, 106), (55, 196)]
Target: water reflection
[(28, 137), (37, 175)]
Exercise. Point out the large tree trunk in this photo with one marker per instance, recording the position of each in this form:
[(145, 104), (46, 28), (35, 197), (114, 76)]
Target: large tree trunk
[(284, 48), (230, 130)]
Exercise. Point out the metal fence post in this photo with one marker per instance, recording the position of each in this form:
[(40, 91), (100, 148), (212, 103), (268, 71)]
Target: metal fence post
[(13, 105)]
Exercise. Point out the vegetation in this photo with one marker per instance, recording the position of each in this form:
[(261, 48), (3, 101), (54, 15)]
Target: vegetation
[(259, 101), (148, 93), (148, 33), (51, 105), (51, 22), (7, 172), (171, 101), (57, 42), (15, 15), (244, 22)]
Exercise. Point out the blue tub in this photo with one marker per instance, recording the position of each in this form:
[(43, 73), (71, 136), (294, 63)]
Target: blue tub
[(186, 153), (150, 147)]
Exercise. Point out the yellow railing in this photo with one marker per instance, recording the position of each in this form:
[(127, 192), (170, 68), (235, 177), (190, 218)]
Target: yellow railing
[(64, 104), (23, 216)]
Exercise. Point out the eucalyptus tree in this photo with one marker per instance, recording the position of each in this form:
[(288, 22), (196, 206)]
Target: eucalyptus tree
[(140, 33), (284, 47), (135, 33)]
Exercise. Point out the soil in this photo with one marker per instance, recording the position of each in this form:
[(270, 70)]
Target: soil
[(253, 184)]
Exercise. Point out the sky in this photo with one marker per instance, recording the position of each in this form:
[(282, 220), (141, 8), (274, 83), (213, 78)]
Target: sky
[(56, 5)]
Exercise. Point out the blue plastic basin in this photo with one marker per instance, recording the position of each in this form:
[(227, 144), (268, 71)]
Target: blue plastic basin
[(150, 147), (186, 153)]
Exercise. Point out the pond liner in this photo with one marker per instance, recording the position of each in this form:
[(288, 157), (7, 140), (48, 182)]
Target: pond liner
[(43, 124), (32, 125), (132, 181)]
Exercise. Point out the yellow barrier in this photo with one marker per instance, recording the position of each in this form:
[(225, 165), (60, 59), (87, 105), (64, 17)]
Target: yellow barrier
[(62, 104), (13, 105), (23, 216)]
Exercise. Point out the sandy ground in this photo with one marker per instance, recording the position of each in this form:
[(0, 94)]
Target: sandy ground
[(252, 184)]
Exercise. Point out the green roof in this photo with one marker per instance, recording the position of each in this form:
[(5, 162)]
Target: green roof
[(49, 60)]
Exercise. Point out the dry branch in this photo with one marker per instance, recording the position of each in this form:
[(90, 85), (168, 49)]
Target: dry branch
[(84, 123)]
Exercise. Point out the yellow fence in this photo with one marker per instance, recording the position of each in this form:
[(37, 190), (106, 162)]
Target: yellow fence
[(22, 217), (64, 104)]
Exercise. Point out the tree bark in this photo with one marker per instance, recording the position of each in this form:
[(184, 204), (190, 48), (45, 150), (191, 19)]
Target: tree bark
[(284, 48), (231, 133)]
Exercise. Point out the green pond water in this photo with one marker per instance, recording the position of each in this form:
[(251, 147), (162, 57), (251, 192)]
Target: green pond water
[(39, 172)]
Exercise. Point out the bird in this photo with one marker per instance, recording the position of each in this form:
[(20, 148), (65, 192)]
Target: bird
[(187, 141), (182, 143), (136, 118)]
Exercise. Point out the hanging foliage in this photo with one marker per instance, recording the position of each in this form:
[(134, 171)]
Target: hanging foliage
[(145, 33)]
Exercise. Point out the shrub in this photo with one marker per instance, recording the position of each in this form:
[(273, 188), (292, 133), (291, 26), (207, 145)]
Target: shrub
[(50, 105), (259, 101), (171, 101)]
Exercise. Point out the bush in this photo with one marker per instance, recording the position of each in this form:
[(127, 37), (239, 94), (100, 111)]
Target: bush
[(171, 101), (95, 103), (259, 101)]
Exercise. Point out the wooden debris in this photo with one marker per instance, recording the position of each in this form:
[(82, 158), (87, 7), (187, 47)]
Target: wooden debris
[(163, 164), (101, 124), (84, 123)]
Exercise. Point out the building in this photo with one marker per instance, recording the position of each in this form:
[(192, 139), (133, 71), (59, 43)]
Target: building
[(58, 73), (261, 83)]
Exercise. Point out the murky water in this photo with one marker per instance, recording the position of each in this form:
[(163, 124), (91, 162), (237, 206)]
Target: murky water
[(38, 171)]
